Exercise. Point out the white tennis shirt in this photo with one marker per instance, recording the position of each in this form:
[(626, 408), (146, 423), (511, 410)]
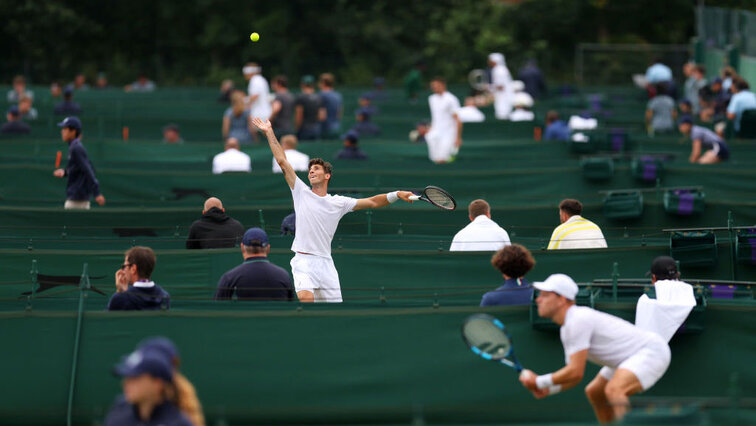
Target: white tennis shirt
[(317, 219), (442, 108), (482, 234)]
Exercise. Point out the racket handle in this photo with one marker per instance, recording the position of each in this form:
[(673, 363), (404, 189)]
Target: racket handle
[(414, 197), (58, 156)]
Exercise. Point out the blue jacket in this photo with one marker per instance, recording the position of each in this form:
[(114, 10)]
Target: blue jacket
[(140, 299), (513, 292), (82, 183)]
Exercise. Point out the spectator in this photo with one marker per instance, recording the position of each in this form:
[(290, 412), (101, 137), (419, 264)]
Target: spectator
[(575, 232), (703, 139), (421, 129), (256, 278), (148, 379), (728, 74), (67, 106), (19, 90), (299, 161), (282, 117), (55, 90), (660, 111), (333, 105), (26, 110), (658, 73), (697, 83), (413, 81), (378, 93), (258, 92), (501, 86), (143, 84), (717, 100), (513, 261), (289, 224), (364, 125), (742, 99), (14, 125), (102, 81), (231, 159), (308, 111), (445, 135), (80, 82), (351, 151), (215, 229), (532, 77), (172, 134), (685, 107), (482, 233), (522, 102), (135, 291), (226, 89), (82, 182), (237, 122), (556, 129)]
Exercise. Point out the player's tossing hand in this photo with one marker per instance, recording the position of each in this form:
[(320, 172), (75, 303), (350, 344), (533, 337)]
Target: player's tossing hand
[(264, 126), (100, 200), (405, 195), (59, 173)]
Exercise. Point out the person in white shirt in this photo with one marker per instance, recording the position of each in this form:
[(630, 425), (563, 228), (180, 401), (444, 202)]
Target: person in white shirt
[(482, 233), (575, 232), (231, 159), (445, 134), (258, 92), (640, 357), (299, 160), (501, 86), (317, 216), (522, 103)]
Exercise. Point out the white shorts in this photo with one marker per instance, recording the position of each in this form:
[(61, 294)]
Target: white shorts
[(317, 275), (440, 145), (76, 205), (648, 364)]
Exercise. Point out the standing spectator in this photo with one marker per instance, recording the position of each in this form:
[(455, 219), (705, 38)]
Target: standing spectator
[(413, 81), (742, 99), (14, 125), (282, 116), (143, 84), (226, 89), (231, 159), (694, 82), (82, 182), (308, 111), (80, 82), (445, 135), (575, 232), (501, 86), (215, 229), (513, 261), (333, 105), (172, 134), (660, 111), (299, 160), (135, 291), (19, 90), (67, 106), (237, 122), (102, 81), (703, 139), (258, 91), (658, 73), (533, 79), (351, 151), (256, 278), (27, 111), (556, 129), (482, 233)]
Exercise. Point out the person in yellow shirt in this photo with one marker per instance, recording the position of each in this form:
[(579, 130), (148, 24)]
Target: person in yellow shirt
[(575, 232)]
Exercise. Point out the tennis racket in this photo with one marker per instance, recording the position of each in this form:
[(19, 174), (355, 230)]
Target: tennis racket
[(478, 79), (487, 337), (436, 196), (58, 157)]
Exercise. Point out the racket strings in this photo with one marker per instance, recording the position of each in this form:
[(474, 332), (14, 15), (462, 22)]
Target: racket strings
[(440, 199)]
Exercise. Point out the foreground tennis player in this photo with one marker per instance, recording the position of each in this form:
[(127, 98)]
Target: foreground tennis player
[(640, 357), (317, 216)]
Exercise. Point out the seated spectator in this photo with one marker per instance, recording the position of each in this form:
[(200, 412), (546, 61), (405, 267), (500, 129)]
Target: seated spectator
[(728, 74), (67, 106), (703, 139), (364, 125), (309, 111), (513, 261), (231, 159), (742, 99), (714, 100), (55, 90), (351, 151), (14, 125), (421, 129), (226, 89), (172, 134), (256, 278), (657, 73), (556, 129), (80, 82), (333, 105), (143, 84), (19, 90), (282, 114), (134, 289), (299, 161), (482, 233), (378, 93), (522, 103), (215, 229), (237, 123), (660, 111), (575, 232), (685, 107), (289, 224), (26, 110), (102, 81)]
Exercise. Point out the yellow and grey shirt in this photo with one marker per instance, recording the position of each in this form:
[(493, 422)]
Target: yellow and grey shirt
[(577, 233)]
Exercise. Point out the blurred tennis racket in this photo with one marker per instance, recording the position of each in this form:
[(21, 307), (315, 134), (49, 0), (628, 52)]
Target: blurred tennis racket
[(487, 337), (436, 196), (58, 157), (478, 79)]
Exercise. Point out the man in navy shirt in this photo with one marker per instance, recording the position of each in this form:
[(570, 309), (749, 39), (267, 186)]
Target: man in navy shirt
[(351, 151), (716, 150), (82, 183), (513, 261), (256, 278), (135, 291)]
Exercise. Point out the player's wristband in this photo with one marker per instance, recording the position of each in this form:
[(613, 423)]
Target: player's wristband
[(555, 389), (392, 196), (544, 381)]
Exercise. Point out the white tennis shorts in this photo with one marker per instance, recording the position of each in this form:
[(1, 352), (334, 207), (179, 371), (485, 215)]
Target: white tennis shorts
[(440, 145), (317, 275), (648, 364)]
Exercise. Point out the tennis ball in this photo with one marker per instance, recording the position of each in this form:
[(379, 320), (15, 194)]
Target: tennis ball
[(254, 36)]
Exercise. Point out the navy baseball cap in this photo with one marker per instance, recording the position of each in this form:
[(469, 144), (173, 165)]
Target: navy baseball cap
[(13, 110), (685, 119), (162, 345), (352, 136), (686, 102), (255, 237), (716, 80), (71, 122), (145, 361)]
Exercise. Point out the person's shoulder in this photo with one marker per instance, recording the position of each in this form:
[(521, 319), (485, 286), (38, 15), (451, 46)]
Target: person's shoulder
[(119, 301)]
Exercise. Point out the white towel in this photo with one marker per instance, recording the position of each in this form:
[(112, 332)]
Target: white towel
[(579, 123), (665, 314)]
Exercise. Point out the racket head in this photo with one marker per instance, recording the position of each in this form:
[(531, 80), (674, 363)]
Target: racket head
[(487, 337), (478, 79), (439, 198)]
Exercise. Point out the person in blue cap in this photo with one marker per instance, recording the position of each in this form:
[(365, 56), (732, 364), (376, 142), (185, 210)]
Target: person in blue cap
[(14, 125), (82, 182), (715, 148), (256, 278), (351, 151), (67, 106), (147, 392)]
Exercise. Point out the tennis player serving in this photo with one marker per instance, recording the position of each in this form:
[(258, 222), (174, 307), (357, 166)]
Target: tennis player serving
[(317, 216), (640, 357)]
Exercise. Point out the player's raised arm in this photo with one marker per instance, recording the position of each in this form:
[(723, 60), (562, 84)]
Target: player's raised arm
[(278, 152), (382, 200)]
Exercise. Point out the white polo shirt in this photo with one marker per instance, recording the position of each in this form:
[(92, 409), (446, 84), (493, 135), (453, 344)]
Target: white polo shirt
[(577, 233), (443, 128), (482, 234), (299, 161), (231, 160)]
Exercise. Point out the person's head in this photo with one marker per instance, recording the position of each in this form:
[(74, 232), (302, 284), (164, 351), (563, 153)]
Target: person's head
[(289, 142), (171, 133), (164, 346), (55, 89), (685, 106), (307, 83), (13, 113), (716, 85), (319, 171), (569, 208), (226, 85), (146, 375), (438, 85), (495, 59), (237, 103), (378, 83), (740, 84), (551, 117), (250, 70), (728, 72), (351, 138), (478, 207), (664, 268), (255, 243), (699, 72), (19, 83), (138, 263), (70, 128), (280, 83), (68, 94), (556, 294), (326, 81), (102, 80), (513, 261), (212, 202), (684, 124), (24, 104), (80, 80), (142, 79), (231, 143), (688, 68)]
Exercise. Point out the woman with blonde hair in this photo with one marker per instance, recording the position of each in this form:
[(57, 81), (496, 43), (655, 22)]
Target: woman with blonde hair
[(237, 122)]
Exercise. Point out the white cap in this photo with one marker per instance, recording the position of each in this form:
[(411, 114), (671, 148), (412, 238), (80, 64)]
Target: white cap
[(560, 284), (496, 58)]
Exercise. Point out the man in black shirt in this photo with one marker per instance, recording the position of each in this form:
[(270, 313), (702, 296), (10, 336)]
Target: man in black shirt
[(216, 229), (308, 111), (256, 278), (14, 124), (135, 291)]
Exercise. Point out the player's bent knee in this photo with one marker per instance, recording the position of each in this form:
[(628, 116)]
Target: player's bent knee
[(306, 296)]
